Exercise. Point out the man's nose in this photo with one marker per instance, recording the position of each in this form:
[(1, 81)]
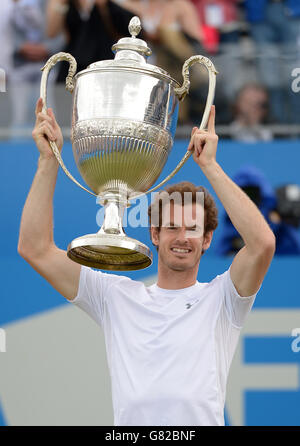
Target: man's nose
[(182, 234)]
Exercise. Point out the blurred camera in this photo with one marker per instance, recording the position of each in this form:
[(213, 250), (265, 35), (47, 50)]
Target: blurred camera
[(288, 204)]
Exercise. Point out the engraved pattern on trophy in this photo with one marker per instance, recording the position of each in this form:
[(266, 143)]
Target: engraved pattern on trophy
[(113, 144)]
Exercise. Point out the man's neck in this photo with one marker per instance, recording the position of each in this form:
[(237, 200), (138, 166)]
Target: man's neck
[(174, 280)]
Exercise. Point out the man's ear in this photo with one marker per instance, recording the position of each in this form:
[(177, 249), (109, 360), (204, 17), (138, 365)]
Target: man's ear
[(154, 235), (207, 240)]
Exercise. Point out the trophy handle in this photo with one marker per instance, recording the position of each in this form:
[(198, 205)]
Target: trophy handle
[(70, 87), (182, 91)]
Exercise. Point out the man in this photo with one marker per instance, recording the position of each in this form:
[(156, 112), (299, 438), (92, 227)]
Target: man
[(170, 345)]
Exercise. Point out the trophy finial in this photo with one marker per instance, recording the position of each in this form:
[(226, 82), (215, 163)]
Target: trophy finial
[(132, 43), (134, 26)]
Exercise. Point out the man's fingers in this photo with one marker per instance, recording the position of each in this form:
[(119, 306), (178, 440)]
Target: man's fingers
[(39, 106), (197, 151), (191, 143), (211, 120), (41, 117), (199, 142), (52, 117), (46, 129), (51, 114)]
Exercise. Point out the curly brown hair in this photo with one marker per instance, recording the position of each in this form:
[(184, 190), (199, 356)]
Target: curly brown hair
[(210, 208)]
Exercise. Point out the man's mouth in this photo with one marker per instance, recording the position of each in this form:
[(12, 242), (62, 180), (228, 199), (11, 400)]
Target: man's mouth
[(181, 250)]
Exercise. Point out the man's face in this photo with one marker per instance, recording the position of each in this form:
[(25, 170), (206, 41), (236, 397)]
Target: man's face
[(180, 239), (253, 105)]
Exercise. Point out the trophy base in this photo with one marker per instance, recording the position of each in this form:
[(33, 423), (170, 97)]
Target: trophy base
[(110, 252)]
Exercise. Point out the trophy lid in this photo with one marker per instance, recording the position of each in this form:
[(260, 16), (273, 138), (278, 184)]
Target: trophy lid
[(132, 43), (130, 52)]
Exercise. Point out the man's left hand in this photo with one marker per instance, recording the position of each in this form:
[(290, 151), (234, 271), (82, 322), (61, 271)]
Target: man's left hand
[(204, 143)]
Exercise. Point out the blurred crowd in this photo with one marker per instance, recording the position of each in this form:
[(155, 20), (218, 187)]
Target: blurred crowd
[(254, 44)]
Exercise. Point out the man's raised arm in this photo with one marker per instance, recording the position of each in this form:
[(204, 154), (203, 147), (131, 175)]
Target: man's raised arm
[(251, 263), (36, 243)]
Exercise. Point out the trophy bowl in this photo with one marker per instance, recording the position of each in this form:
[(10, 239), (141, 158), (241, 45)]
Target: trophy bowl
[(124, 119)]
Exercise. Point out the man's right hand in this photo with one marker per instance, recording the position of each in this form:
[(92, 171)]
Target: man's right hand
[(45, 129)]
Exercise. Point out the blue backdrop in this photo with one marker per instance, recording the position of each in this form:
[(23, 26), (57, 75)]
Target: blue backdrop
[(75, 214)]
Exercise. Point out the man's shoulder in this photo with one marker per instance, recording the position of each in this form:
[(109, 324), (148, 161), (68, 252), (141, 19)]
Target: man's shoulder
[(216, 281), (110, 277)]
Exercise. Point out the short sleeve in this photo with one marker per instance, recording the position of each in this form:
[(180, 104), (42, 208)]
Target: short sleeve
[(91, 293), (237, 307)]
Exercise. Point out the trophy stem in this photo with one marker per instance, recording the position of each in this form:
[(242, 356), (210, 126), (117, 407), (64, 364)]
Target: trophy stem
[(114, 211)]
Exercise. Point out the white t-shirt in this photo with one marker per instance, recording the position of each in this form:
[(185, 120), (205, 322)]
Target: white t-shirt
[(169, 351)]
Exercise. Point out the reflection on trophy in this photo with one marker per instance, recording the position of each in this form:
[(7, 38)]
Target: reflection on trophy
[(123, 125)]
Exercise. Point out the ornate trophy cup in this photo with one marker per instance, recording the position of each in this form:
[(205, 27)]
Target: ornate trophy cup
[(123, 125)]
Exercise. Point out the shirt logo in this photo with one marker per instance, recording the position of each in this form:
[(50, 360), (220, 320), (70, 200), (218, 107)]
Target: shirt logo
[(189, 305)]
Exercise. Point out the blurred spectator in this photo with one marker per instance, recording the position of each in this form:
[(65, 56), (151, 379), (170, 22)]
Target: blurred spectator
[(220, 22), (180, 37), (173, 31), (31, 50), (276, 207), (250, 112), (221, 27), (275, 28), (91, 27), (6, 37), (176, 15)]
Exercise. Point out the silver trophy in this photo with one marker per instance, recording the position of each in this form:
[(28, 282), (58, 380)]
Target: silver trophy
[(123, 125)]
